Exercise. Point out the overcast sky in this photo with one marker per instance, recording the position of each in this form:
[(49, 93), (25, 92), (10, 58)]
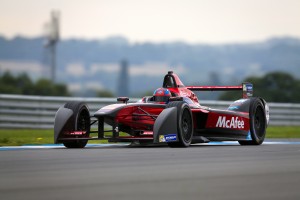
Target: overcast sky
[(193, 21)]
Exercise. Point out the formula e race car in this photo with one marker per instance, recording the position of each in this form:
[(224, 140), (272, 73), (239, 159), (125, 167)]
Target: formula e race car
[(172, 116)]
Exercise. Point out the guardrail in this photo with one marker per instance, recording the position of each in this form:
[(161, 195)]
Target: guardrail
[(38, 112)]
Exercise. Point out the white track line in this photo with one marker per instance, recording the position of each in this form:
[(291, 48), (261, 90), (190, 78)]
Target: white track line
[(58, 146)]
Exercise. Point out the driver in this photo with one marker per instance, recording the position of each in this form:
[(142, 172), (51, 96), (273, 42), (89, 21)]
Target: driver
[(161, 95)]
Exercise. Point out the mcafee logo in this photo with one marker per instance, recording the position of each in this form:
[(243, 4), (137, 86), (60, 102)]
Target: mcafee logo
[(234, 122)]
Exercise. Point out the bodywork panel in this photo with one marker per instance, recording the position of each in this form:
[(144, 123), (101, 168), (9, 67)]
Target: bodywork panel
[(61, 118)]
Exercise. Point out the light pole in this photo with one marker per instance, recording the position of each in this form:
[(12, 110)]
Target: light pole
[(52, 37)]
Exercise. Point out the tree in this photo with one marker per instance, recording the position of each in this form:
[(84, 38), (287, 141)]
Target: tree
[(8, 84), (61, 90), (105, 93), (22, 84), (273, 87), (25, 84)]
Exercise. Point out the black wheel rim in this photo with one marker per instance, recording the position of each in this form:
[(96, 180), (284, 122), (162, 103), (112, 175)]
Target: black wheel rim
[(186, 125), (259, 122)]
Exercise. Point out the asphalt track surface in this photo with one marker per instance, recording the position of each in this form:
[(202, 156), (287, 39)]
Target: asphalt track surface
[(217, 171)]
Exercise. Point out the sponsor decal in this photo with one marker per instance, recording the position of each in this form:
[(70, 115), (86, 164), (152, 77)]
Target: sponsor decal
[(244, 88), (77, 133), (249, 136), (233, 108), (147, 133), (168, 138), (233, 122), (162, 138), (249, 88)]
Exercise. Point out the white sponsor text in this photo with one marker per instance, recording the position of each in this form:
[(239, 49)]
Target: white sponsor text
[(234, 122)]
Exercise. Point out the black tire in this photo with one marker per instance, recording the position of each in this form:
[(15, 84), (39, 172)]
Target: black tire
[(258, 122), (80, 121), (185, 126)]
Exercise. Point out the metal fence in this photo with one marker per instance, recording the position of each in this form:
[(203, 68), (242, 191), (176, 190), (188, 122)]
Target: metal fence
[(37, 112)]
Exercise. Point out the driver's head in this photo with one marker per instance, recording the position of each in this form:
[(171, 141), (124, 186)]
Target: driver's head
[(161, 95)]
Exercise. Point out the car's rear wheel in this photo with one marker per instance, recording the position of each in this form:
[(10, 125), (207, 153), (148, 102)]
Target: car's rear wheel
[(184, 124), (258, 123), (79, 121)]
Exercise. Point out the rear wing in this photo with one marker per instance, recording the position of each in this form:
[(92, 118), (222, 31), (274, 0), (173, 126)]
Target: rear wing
[(247, 89)]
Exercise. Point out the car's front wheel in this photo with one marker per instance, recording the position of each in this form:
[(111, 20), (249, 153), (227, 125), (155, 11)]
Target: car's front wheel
[(184, 124), (258, 122), (79, 121)]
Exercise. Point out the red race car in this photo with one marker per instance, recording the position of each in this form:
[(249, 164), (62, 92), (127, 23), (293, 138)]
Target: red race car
[(172, 115)]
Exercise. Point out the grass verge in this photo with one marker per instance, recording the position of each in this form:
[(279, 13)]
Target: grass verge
[(16, 137), (283, 132)]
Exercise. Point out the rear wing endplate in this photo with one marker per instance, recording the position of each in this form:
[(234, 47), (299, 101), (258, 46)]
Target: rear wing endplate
[(247, 89)]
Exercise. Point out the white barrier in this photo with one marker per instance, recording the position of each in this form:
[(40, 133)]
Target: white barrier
[(37, 112)]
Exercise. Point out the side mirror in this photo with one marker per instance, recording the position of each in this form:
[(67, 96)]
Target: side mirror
[(123, 99)]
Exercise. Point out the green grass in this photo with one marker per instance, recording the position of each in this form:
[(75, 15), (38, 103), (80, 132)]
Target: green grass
[(283, 132), (16, 137)]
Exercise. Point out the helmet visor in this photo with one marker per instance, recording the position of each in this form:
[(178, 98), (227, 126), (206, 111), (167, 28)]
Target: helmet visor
[(161, 98)]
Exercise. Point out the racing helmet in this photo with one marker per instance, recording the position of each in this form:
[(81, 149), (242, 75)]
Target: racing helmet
[(161, 95)]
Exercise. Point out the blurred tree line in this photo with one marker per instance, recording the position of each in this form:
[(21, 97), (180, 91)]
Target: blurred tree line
[(22, 84), (273, 87)]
